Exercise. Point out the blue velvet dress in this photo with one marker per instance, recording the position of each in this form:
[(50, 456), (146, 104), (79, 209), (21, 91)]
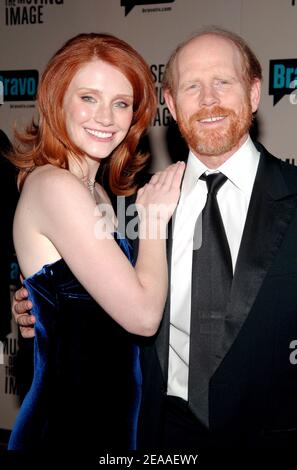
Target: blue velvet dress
[(86, 389)]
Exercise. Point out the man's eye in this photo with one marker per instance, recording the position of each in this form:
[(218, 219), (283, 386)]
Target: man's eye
[(192, 87), (221, 82)]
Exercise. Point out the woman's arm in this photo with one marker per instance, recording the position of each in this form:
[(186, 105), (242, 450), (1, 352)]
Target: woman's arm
[(63, 212)]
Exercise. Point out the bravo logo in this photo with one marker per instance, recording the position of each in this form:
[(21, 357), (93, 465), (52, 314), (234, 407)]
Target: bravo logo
[(130, 4), (282, 78), (18, 85)]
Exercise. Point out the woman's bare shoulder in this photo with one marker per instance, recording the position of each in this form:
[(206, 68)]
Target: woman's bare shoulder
[(48, 174), (49, 180)]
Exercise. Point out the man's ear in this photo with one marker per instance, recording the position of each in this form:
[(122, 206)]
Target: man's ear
[(170, 103), (255, 94)]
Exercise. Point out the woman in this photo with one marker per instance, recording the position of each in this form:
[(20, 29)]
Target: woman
[(96, 98)]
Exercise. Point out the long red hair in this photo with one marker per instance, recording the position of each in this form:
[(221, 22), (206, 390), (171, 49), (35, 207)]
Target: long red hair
[(48, 141)]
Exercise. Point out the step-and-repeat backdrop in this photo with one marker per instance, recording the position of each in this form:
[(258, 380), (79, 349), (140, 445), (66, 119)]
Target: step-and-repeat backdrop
[(32, 30)]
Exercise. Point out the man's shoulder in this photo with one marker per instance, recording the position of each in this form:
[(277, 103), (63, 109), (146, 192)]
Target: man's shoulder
[(288, 169)]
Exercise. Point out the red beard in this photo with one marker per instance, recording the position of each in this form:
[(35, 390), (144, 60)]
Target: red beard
[(222, 139)]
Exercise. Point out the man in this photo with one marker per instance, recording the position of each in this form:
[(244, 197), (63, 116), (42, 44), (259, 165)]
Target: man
[(242, 389), (220, 371)]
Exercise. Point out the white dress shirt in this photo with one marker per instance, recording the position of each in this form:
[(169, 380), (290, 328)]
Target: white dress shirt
[(233, 199)]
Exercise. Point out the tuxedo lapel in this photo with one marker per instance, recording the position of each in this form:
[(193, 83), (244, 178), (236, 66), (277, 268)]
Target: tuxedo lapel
[(162, 342), (271, 209), (162, 337)]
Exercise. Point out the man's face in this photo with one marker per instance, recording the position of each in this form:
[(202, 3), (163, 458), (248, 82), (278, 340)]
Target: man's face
[(212, 104)]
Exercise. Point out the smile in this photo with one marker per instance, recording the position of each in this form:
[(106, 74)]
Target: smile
[(99, 134), (213, 119)]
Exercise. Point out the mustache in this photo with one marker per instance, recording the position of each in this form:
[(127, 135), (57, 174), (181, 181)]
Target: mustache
[(209, 113)]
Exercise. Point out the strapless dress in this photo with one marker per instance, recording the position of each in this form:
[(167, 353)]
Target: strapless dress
[(86, 388)]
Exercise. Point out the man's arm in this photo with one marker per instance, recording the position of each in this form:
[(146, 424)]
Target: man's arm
[(21, 307)]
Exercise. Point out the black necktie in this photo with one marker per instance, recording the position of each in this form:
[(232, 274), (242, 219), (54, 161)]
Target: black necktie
[(211, 283)]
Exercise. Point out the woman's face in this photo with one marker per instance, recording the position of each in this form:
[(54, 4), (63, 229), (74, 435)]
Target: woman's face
[(98, 108)]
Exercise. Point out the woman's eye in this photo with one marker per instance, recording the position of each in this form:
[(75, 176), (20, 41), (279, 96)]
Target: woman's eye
[(88, 99), (121, 104)]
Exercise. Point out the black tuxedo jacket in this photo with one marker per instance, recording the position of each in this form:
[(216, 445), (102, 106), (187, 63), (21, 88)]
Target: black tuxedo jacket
[(253, 392), (8, 197)]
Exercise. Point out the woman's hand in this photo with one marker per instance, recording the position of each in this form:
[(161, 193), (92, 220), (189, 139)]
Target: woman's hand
[(158, 199)]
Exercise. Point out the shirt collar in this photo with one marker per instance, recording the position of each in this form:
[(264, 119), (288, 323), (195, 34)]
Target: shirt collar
[(240, 169), (194, 169)]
